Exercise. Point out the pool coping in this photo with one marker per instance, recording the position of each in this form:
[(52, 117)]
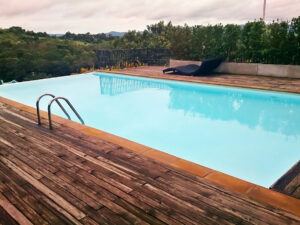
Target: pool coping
[(255, 192)]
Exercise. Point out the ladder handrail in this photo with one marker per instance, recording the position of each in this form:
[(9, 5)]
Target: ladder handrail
[(70, 105), (38, 107)]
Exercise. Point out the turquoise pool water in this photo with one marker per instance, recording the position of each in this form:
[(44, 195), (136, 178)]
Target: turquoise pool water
[(253, 135)]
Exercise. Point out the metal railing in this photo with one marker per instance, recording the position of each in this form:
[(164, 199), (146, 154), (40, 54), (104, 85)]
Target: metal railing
[(70, 105), (38, 107), (55, 99)]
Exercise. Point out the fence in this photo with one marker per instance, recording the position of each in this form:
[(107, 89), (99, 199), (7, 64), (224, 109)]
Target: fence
[(124, 57)]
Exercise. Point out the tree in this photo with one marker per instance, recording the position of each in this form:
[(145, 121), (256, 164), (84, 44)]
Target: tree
[(231, 43), (253, 41)]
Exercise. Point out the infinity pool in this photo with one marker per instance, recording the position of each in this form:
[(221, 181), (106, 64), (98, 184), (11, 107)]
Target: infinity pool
[(253, 135)]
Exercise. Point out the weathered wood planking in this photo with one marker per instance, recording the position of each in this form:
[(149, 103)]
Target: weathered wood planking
[(66, 177), (289, 183)]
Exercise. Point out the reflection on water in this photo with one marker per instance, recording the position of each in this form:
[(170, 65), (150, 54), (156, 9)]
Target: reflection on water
[(268, 111), (118, 85), (254, 110)]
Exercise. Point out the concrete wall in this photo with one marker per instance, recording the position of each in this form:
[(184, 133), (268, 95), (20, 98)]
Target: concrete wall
[(257, 69)]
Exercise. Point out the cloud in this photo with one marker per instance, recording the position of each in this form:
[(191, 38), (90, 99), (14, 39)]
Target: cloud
[(14, 8), (59, 16)]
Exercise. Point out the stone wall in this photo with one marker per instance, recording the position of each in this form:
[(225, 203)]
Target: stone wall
[(290, 71)]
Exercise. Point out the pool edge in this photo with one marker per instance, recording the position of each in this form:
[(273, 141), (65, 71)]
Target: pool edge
[(193, 79), (230, 183)]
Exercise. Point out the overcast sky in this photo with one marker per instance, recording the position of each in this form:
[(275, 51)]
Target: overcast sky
[(95, 16)]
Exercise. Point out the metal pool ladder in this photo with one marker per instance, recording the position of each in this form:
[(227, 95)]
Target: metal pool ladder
[(55, 99)]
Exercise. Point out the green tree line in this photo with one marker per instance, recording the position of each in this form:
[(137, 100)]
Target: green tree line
[(88, 37), (26, 55), (254, 42)]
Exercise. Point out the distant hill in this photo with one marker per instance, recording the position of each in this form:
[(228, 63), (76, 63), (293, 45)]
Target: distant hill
[(112, 33), (116, 34), (88, 37), (56, 35)]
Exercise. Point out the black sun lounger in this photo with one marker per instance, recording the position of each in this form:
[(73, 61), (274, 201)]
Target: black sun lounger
[(206, 67)]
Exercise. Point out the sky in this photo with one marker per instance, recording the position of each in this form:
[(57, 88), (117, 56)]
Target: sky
[(96, 16)]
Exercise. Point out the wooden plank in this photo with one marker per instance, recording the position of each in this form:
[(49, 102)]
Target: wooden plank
[(20, 197), (117, 208), (96, 161), (62, 184), (108, 188), (29, 149), (296, 193), (186, 208), (13, 211), (289, 182), (138, 212), (103, 193), (22, 165), (63, 213), (70, 188), (6, 142), (67, 195), (110, 169), (26, 209), (23, 155), (10, 122), (89, 221), (245, 207), (210, 202), (18, 115), (44, 189), (106, 216), (5, 218), (170, 214), (72, 147), (120, 153), (83, 192), (128, 190), (93, 181)]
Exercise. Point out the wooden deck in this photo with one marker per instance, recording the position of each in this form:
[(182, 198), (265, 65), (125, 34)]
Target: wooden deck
[(247, 81), (289, 183), (67, 177)]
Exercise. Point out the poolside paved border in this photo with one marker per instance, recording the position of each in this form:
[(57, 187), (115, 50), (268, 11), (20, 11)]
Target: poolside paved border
[(253, 191)]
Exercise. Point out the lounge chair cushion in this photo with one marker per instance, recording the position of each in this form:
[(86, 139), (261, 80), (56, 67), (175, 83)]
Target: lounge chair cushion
[(206, 67)]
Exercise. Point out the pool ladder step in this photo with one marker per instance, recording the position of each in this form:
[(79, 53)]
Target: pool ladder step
[(55, 99)]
